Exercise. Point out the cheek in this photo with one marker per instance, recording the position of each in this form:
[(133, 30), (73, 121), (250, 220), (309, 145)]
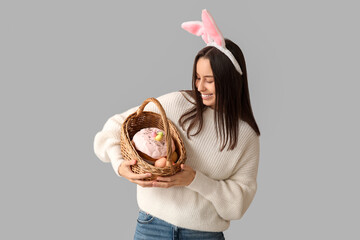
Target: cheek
[(213, 87)]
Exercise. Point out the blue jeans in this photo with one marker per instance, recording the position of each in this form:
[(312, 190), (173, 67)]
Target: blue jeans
[(152, 228)]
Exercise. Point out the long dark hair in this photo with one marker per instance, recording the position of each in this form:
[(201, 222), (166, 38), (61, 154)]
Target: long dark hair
[(232, 96)]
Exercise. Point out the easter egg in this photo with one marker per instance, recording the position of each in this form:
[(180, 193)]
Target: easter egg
[(174, 157), (161, 162)]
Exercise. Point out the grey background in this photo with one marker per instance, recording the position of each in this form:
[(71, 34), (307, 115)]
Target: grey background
[(67, 66)]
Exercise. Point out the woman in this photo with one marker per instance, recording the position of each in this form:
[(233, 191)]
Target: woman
[(221, 137)]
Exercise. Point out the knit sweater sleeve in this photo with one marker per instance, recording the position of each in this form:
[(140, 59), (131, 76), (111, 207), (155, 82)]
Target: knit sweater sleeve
[(107, 141), (232, 197)]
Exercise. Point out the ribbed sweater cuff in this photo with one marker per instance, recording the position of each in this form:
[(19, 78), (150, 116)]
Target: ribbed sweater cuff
[(116, 164), (116, 159), (202, 184)]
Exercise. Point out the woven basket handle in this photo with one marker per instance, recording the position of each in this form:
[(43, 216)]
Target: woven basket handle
[(165, 122)]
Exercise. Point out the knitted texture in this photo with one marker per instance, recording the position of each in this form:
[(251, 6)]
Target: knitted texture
[(224, 184)]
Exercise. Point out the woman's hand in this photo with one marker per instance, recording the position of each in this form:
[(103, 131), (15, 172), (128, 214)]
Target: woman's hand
[(182, 178), (126, 172)]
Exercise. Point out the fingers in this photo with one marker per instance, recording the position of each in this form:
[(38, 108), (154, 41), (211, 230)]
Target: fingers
[(139, 179), (143, 183), (165, 179), (162, 184), (135, 176), (179, 179), (166, 182), (129, 163), (183, 178), (185, 167)]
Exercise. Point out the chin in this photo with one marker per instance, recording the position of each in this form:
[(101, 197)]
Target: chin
[(209, 104)]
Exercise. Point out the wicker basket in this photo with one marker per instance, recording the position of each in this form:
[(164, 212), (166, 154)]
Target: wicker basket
[(144, 119)]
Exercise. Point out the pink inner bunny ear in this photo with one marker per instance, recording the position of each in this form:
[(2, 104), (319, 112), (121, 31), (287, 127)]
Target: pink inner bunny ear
[(194, 27), (211, 29)]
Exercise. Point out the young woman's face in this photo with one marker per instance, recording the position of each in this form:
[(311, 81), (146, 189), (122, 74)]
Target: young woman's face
[(205, 82)]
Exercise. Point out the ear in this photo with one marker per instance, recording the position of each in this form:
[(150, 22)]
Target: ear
[(211, 29), (194, 27)]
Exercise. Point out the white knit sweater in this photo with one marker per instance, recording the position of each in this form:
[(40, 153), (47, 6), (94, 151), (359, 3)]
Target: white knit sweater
[(224, 184)]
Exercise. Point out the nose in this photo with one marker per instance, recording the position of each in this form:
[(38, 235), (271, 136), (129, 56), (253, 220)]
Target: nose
[(200, 85)]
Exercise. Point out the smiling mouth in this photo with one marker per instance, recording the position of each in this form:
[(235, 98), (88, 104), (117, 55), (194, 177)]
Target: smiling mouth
[(206, 96)]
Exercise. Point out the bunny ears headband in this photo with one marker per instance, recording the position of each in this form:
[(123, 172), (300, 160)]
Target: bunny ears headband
[(211, 34)]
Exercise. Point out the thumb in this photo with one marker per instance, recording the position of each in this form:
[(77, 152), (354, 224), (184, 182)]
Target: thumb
[(131, 162), (185, 167)]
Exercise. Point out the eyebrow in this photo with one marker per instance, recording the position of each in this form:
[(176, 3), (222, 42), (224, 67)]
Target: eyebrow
[(206, 75)]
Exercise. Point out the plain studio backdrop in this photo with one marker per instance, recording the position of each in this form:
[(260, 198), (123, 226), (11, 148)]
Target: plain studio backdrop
[(67, 66)]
